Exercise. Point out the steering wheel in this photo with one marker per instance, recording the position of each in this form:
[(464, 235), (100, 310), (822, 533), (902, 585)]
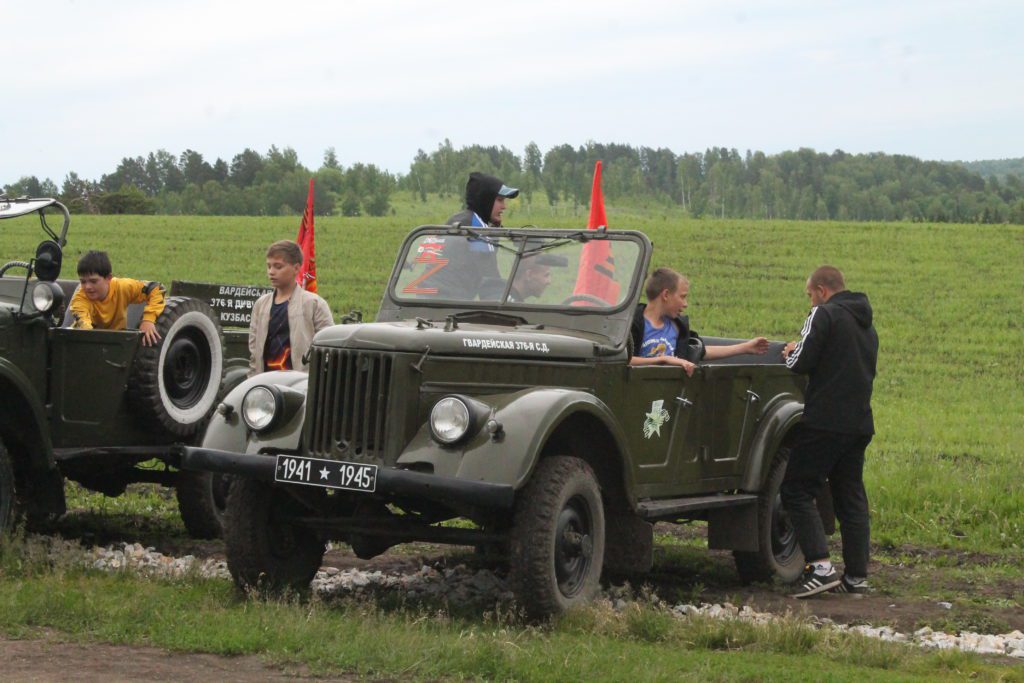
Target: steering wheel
[(584, 298)]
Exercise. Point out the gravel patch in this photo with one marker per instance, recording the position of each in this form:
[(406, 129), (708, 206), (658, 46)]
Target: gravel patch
[(463, 585)]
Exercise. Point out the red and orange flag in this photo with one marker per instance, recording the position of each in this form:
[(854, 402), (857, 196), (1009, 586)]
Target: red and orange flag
[(307, 276), (596, 276)]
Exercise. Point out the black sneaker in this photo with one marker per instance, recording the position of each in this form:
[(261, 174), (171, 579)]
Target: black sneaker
[(846, 586), (813, 582)]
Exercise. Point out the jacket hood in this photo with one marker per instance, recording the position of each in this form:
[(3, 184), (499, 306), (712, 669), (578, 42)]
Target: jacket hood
[(481, 191), (857, 304)]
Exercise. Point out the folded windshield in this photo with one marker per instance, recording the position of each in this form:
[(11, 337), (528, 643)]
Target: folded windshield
[(520, 270)]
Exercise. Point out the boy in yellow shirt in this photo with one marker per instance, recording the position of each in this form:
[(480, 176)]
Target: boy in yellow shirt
[(101, 301)]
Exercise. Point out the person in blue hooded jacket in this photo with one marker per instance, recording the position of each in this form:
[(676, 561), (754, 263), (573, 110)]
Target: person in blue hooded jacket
[(838, 351)]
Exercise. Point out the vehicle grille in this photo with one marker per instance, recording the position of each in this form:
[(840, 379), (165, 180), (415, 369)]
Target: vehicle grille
[(348, 399)]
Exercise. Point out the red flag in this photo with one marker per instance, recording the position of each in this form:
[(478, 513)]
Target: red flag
[(307, 276), (596, 275)]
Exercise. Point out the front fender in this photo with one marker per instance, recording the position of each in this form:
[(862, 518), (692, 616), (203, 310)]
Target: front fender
[(24, 410), (781, 416), (528, 418), (228, 432)]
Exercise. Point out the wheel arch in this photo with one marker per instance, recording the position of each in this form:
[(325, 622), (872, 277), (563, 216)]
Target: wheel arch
[(22, 419), (775, 428), (585, 432)]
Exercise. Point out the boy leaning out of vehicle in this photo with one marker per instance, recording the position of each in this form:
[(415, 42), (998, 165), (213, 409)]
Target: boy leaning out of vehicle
[(101, 300)]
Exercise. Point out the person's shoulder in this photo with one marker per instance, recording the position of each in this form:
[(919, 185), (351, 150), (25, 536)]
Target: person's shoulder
[(464, 217)]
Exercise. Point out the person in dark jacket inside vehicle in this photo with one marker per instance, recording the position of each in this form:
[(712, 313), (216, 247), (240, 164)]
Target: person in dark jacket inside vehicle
[(468, 262), (838, 350), (662, 335)]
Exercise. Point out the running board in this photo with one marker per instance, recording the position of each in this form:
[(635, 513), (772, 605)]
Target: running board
[(668, 508)]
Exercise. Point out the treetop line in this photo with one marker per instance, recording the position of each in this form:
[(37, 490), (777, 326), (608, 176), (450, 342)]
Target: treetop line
[(720, 182)]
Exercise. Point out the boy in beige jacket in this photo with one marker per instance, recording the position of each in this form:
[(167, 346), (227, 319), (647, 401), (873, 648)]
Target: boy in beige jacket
[(285, 320)]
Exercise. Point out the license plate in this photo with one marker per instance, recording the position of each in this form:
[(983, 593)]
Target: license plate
[(331, 474)]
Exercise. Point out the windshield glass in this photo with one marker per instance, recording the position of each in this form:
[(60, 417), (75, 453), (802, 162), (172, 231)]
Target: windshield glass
[(518, 270)]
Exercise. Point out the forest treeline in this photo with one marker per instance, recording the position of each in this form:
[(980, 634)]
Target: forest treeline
[(720, 182)]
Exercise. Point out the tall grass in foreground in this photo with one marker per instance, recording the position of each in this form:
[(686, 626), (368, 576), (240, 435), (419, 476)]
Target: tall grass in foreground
[(945, 466), (43, 585)]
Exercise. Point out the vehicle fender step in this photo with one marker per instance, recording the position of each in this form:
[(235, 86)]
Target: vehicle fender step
[(666, 508)]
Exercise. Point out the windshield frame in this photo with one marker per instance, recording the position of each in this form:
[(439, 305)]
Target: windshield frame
[(609, 328), (553, 238)]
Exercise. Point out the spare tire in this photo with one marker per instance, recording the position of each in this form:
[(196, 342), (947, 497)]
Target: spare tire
[(174, 385)]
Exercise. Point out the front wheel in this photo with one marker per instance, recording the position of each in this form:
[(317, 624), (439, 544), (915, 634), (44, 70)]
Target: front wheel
[(557, 539), (202, 500), (6, 490), (265, 549), (779, 553)]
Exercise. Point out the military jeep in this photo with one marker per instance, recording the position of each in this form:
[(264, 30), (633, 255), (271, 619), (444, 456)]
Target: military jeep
[(474, 396), (96, 406)]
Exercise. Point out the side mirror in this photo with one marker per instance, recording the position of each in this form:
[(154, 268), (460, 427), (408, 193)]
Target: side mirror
[(48, 261)]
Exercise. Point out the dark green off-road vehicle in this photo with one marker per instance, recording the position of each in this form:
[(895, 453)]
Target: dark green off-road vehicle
[(95, 405), (475, 395)]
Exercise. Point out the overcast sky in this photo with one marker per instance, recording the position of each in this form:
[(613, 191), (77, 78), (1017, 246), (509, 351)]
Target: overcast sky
[(87, 83)]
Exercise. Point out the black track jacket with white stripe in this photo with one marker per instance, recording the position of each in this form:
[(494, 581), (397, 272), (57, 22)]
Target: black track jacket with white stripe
[(838, 350)]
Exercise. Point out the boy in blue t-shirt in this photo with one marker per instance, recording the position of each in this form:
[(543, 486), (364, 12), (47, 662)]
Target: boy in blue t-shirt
[(661, 335)]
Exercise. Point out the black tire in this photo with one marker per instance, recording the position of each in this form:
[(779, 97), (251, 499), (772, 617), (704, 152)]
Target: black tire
[(263, 550), (557, 539), (202, 501), (779, 553), (174, 384), (6, 490)]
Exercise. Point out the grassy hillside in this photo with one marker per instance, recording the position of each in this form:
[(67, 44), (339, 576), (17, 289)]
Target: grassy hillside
[(945, 465)]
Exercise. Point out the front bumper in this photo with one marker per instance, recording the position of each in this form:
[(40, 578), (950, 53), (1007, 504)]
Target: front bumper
[(390, 482)]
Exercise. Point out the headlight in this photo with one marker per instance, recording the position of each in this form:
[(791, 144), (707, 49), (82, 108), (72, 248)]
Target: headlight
[(42, 297), (46, 296), (449, 420), (260, 407)]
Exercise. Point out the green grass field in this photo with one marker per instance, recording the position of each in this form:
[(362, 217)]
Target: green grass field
[(945, 466)]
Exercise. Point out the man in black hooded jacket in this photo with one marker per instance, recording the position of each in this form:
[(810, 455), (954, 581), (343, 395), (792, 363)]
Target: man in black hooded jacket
[(472, 261), (838, 350)]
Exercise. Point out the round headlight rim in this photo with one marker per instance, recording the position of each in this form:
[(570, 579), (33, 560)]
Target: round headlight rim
[(275, 417), (45, 289), (469, 420)]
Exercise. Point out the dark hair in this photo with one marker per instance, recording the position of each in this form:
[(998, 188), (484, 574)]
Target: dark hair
[(95, 262), (286, 249), (662, 279), (829, 277)]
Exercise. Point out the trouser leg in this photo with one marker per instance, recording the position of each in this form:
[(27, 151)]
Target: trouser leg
[(809, 461), (851, 505)]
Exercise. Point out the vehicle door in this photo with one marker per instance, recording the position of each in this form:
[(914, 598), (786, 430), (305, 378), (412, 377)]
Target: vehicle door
[(658, 417), (89, 372), (729, 412)]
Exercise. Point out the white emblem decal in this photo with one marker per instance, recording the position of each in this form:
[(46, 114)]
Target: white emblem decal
[(655, 419)]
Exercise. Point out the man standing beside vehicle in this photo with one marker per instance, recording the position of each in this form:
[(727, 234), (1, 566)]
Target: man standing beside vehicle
[(838, 350)]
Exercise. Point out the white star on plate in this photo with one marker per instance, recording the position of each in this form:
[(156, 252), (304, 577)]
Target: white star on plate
[(324, 473)]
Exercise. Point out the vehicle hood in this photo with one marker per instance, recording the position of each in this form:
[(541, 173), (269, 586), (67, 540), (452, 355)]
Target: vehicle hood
[(467, 339)]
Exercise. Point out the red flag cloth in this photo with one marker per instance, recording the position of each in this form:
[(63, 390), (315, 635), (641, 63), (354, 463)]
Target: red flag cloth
[(307, 276), (596, 275)]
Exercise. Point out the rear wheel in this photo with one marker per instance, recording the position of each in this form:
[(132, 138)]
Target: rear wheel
[(557, 540), (779, 553), (264, 548)]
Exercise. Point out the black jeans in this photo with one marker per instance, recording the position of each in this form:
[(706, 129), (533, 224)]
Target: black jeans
[(816, 456)]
